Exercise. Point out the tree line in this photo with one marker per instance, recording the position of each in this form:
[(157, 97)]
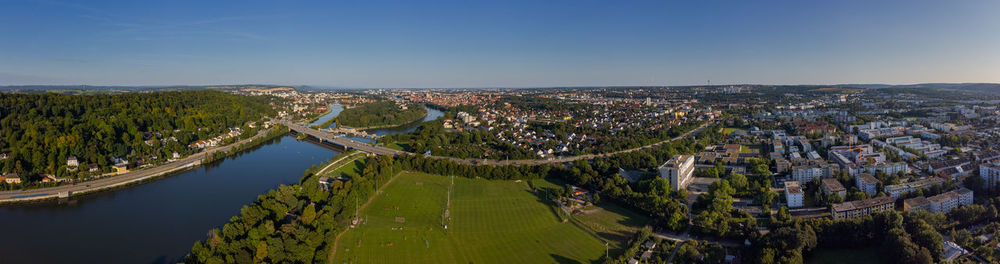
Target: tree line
[(40, 131)]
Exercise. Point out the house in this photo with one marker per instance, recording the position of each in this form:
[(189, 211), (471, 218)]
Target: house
[(119, 168), (4, 155), (11, 178), (325, 182), (953, 251), (72, 162), (48, 178), (93, 167)]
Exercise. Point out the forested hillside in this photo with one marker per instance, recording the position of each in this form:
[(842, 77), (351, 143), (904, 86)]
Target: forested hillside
[(40, 131), (383, 113)]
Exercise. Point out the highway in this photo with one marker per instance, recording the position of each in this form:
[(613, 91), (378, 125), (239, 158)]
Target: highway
[(379, 150), (118, 180)]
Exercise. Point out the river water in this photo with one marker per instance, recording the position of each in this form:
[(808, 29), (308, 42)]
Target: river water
[(159, 221)]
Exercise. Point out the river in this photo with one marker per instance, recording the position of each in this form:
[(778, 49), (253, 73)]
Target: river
[(159, 221), (155, 222)]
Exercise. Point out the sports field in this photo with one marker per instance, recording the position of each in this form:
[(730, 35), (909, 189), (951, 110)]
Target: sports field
[(490, 222)]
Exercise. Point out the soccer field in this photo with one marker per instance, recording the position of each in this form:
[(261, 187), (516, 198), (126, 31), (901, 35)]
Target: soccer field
[(491, 222)]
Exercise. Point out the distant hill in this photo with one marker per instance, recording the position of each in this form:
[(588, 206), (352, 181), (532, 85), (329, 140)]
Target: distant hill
[(91, 89)]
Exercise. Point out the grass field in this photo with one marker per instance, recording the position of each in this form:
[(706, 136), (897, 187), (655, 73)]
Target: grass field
[(398, 146), (349, 170), (838, 256), (612, 223), (728, 130), (491, 222)]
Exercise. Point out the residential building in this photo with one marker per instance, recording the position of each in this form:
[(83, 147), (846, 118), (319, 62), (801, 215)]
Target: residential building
[(916, 203), (782, 165), (862, 159), (120, 168), (990, 174), (941, 203), (72, 162), (793, 194), (897, 190), (860, 208), (806, 173), (867, 183), (678, 170), (11, 178), (832, 186)]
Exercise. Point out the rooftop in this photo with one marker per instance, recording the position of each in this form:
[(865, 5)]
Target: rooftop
[(852, 205), (867, 178), (833, 185)]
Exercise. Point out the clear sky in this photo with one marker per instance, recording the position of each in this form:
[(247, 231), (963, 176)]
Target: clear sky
[(498, 43)]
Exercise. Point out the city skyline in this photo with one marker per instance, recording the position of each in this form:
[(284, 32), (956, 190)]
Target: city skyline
[(510, 44)]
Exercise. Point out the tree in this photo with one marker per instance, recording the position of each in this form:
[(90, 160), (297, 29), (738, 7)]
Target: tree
[(261, 252), (739, 182), (783, 215), (974, 183), (309, 214)]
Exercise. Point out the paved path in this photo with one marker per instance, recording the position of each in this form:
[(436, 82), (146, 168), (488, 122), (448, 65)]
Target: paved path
[(366, 147), (122, 179)]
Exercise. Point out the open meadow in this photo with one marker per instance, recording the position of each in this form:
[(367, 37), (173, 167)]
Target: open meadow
[(490, 222)]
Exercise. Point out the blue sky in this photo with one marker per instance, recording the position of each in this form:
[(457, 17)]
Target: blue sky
[(497, 43)]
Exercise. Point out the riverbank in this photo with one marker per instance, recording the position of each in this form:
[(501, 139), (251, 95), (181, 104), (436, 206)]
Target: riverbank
[(138, 176)]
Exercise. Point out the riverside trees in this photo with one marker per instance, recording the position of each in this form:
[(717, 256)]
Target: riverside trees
[(40, 131)]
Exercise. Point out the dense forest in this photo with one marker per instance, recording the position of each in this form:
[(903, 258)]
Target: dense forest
[(40, 131), (381, 113)]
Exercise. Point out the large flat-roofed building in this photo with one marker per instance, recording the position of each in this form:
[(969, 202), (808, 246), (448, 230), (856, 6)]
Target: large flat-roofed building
[(916, 203), (862, 159), (793, 194), (897, 190), (808, 172), (941, 203), (833, 186), (860, 208), (867, 183), (678, 170)]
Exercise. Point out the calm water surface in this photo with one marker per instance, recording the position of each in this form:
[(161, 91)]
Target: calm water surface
[(154, 222)]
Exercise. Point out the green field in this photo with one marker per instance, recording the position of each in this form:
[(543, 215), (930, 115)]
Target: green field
[(398, 146), (491, 222), (612, 223), (728, 130), (350, 169), (838, 256)]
